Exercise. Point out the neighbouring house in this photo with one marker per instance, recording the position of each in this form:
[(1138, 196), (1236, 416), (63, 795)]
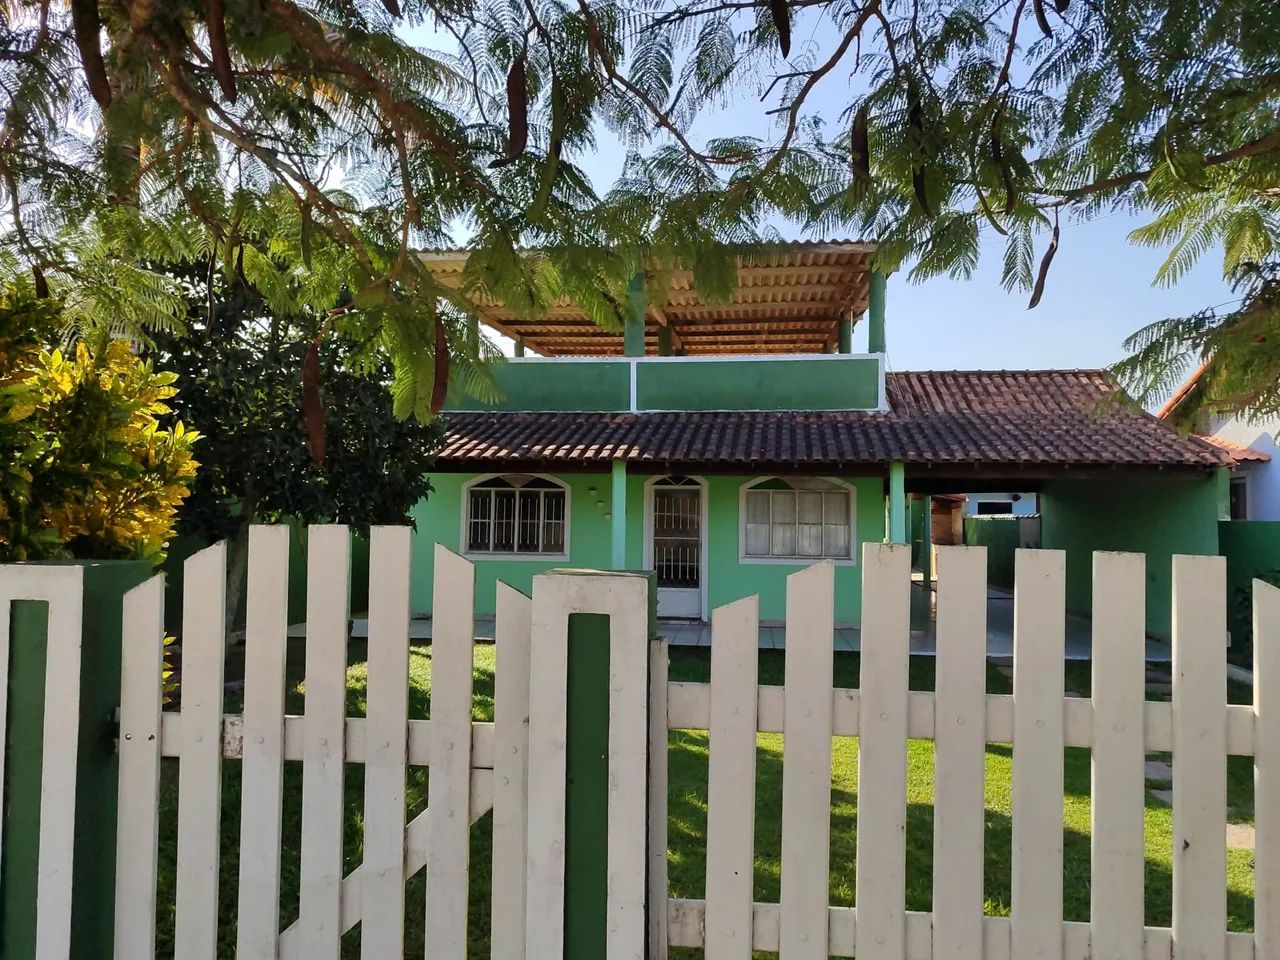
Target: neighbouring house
[(1251, 444), (727, 444), (1249, 536)]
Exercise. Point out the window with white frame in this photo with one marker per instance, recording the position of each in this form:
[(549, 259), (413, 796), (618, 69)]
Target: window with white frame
[(797, 519), (516, 514)]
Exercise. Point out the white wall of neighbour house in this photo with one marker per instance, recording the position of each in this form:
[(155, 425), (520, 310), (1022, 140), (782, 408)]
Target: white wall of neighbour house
[(1263, 477)]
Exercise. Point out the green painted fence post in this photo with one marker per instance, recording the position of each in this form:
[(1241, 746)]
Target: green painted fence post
[(93, 884), (587, 778)]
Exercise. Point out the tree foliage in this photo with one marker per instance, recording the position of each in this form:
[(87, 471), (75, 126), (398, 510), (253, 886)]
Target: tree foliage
[(955, 120), (86, 469), (1238, 349), (239, 377)]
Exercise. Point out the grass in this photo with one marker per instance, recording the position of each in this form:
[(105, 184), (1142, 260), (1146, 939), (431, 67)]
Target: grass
[(688, 812)]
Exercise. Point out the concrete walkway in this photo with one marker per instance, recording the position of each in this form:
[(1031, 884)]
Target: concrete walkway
[(924, 640)]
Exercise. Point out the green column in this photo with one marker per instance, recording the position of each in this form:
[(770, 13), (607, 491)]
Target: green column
[(664, 340), (97, 768), (926, 543), (618, 512), (1223, 479), (846, 335), (586, 854), (875, 313), (637, 307), (897, 503)]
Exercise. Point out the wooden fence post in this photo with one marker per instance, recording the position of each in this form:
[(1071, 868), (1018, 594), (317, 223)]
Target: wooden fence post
[(588, 765), (70, 659)]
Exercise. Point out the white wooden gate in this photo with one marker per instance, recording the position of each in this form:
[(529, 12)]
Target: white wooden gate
[(514, 765)]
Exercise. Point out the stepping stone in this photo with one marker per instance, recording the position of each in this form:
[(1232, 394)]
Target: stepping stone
[(1240, 836), (1157, 770), (1165, 796)]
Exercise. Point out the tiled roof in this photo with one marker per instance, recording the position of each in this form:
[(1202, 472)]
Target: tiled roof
[(1022, 418), (1238, 453)]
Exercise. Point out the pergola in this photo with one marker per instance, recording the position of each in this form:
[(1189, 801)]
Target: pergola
[(799, 297)]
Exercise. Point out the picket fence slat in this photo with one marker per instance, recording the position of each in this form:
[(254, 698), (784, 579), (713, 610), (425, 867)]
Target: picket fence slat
[(448, 865), (731, 780), (548, 721), (510, 771), (137, 817), (323, 759), (627, 793), (204, 634), (1117, 844), (806, 764), (960, 753), (1266, 800), (262, 772), (386, 743), (1039, 639), (881, 865), (1199, 757), (656, 854)]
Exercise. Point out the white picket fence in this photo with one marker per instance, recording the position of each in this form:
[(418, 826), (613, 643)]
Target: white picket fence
[(515, 765)]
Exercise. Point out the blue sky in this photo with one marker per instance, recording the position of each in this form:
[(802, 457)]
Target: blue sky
[(1099, 289)]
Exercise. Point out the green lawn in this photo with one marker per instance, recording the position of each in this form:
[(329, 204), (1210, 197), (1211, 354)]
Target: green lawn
[(688, 782)]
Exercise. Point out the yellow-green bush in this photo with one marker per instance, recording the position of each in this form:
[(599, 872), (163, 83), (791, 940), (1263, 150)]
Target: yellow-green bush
[(86, 470)]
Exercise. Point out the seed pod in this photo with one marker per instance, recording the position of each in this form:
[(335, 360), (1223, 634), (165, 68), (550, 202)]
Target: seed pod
[(1038, 292), (1041, 19), (552, 164), (84, 19), (304, 237), (440, 381), (222, 69), (42, 285), (860, 150), (1060, 5), (392, 6), (312, 404), (915, 129), (782, 23), (1001, 161), (517, 108)]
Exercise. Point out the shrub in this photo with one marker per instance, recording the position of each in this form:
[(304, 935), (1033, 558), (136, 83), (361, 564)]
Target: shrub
[(86, 471)]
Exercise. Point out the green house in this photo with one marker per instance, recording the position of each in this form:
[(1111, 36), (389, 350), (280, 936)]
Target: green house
[(725, 445)]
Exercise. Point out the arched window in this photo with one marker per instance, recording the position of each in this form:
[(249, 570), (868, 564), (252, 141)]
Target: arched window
[(517, 514), (798, 518)]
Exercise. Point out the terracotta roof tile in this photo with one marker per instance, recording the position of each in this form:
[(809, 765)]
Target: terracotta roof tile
[(1238, 453), (1026, 418)]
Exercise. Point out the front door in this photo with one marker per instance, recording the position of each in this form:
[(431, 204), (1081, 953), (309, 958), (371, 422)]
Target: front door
[(676, 547)]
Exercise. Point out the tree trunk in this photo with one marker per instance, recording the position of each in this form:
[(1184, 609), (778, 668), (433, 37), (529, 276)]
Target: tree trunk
[(237, 577)]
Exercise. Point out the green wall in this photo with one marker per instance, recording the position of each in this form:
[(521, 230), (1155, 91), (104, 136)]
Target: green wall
[(1252, 549), (439, 519), (597, 385), (819, 382), (830, 382), (1000, 535), (1157, 516)]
